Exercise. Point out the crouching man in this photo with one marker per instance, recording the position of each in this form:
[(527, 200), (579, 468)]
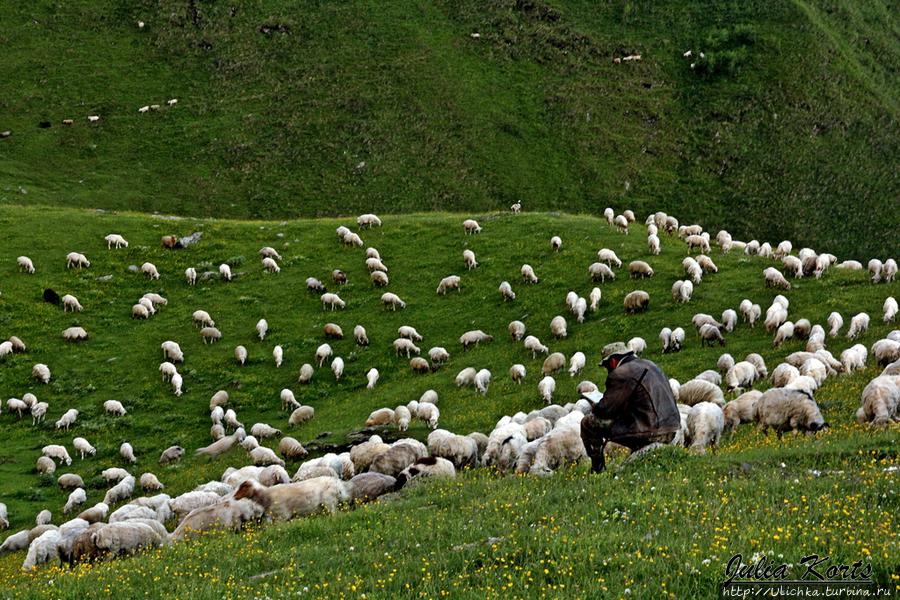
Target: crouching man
[(637, 408)]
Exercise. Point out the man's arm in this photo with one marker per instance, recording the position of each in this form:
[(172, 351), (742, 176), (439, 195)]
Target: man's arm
[(615, 398)]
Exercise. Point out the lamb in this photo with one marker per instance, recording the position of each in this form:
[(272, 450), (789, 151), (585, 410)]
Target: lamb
[(120, 491), (709, 334), (600, 272), (784, 409), (290, 448), (126, 451), (517, 373), (25, 264), (68, 419), (742, 409), (469, 258), (528, 275), (56, 452), (558, 327), (306, 373), (392, 300), (41, 372), (70, 302), (859, 324), (471, 226), (784, 374), (482, 381), (359, 334), (637, 345), (301, 415), (636, 301), (595, 299), (554, 363), (698, 390), (546, 387), (506, 291), (82, 446), (240, 354), (149, 269), (639, 268), (172, 351), (149, 482), (774, 278), (705, 423), (475, 337), (405, 346), (75, 259), (890, 309), (372, 376), (170, 455), (577, 363), (879, 401), (331, 300)]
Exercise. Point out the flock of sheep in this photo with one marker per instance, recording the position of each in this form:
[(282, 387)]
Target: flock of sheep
[(538, 442)]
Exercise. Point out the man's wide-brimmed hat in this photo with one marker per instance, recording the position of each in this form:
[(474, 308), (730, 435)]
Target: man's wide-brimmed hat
[(610, 350)]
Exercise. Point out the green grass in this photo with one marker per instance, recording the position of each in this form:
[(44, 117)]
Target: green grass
[(655, 523), (790, 133)]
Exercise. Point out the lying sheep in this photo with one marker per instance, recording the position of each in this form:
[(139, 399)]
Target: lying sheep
[(784, 409)]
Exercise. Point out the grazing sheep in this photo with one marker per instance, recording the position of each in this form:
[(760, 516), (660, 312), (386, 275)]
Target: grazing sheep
[(803, 328), (784, 333), (94, 514), (621, 224), (392, 300), (75, 334), (506, 291), (150, 483), (705, 423), (637, 345), (595, 299), (784, 374), (306, 373), (665, 339), (729, 319), (466, 377), (438, 355), (885, 352), (693, 269), (724, 363), (741, 375), (471, 226), (210, 335), (419, 365), (757, 361), (600, 272), (332, 300), (56, 452), (170, 455), (290, 448), (698, 390), (43, 549), (240, 354), (25, 264), (859, 324), (875, 268), (149, 269), (879, 401), (546, 387), (469, 258), (405, 346), (553, 363), (359, 334), (41, 372), (774, 278), (639, 269), (74, 259), (176, 384), (263, 457), (67, 419), (707, 264), (516, 330), (301, 415), (793, 266), (890, 309), (70, 303), (172, 351), (776, 315), (68, 481), (636, 301), (785, 409), (889, 270), (264, 431), (372, 376), (742, 409), (76, 498), (558, 327), (82, 446), (379, 278), (474, 337), (114, 407), (323, 353), (653, 244), (528, 275), (577, 363), (517, 373), (711, 376), (126, 537), (278, 356), (314, 285), (220, 398), (609, 215), (482, 381), (504, 446), (709, 334), (605, 255), (121, 491)]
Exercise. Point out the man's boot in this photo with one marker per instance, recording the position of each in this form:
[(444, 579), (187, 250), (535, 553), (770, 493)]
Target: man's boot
[(598, 463)]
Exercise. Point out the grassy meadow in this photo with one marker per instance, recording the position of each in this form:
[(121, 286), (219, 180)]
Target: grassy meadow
[(664, 526), (291, 109)]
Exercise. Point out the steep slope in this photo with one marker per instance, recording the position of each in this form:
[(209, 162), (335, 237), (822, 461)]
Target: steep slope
[(786, 129)]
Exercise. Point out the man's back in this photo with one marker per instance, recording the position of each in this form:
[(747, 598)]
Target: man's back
[(638, 399)]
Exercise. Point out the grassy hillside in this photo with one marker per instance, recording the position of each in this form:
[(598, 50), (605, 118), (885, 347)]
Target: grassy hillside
[(786, 129), (653, 524)]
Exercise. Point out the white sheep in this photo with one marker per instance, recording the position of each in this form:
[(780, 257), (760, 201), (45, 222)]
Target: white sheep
[(450, 282), (636, 301), (705, 423), (517, 373), (879, 401), (469, 258), (368, 220), (225, 272), (278, 356), (595, 299), (546, 388), (890, 309), (886, 351), (653, 244), (742, 409), (126, 451), (889, 270), (875, 268), (774, 278), (76, 498), (270, 265), (167, 370), (67, 419), (729, 319), (621, 224), (558, 327), (70, 302), (331, 300), (75, 259), (605, 255), (556, 243), (534, 345), (149, 269), (372, 376), (784, 409), (176, 383), (82, 446), (853, 359), (301, 415), (41, 372), (528, 275), (323, 353), (471, 226), (859, 324), (506, 291), (741, 375), (190, 275), (785, 332), (121, 491), (74, 334), (698, 390), (240, 354), (337, 367), (600, 272), (392, 300), (306, 373), (577, 363), (25, 264), (56, 452), (474, 337), (482, 381)]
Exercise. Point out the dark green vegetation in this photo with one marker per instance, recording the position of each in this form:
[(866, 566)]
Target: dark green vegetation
[(571, 535), (787, 128)]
